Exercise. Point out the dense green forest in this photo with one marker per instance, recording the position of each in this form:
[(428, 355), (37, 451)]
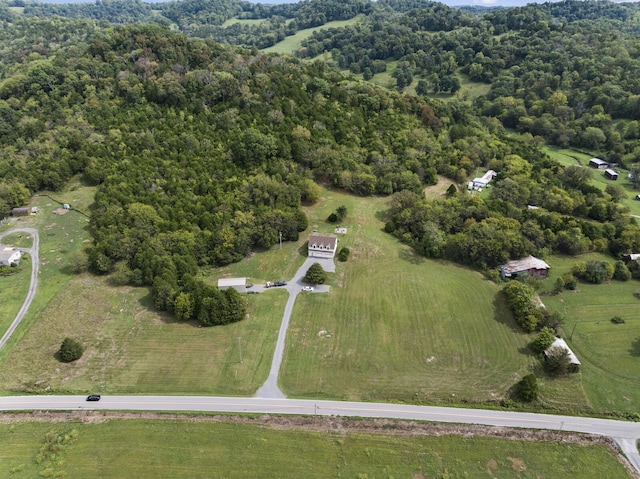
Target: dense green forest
[(203, 152)]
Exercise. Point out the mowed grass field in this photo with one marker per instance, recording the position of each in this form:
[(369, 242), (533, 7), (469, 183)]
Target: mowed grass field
[(290, 44), (610, 353), (14, 287), (61, 237), (182, 448), (397, 326), (130, 348)]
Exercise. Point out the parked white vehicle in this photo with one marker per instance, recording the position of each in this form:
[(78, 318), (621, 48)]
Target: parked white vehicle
[(307, 288)]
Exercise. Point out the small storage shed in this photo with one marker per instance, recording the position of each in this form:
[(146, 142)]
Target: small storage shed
[(239, 284), (611, 174), (561, 343)]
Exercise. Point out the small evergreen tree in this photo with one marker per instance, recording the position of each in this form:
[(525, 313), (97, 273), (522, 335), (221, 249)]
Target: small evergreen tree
[(452, 190), (315, 274), (70, 350)]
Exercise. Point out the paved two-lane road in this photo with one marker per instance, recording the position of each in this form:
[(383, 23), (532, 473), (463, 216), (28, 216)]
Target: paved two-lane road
[(35, 268), (624, 433)]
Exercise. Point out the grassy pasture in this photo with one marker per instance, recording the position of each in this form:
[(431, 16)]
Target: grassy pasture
[(182, 448), (610, 353), (294, 42), (243, 21), (472, 89), (14, 290), (130, 348), (61, 237), (398, 326)]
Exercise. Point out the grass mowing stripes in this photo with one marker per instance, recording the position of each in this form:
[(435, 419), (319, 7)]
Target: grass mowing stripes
[(610, 353), (169, 449), (129, 348), (397, 326)]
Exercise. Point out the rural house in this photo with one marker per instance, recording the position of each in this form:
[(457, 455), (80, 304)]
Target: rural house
[(611, 174), (598, 163), (561, 343), (322, 246), (483, 181), (239, 284), (631, 257), (10, 257), (534, 267)]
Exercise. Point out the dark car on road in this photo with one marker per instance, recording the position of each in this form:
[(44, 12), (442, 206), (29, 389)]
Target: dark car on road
[(280, 283), (93, 397)]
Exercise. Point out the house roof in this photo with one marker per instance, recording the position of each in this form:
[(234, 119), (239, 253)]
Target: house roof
[(611, 172), (6, 254), (524, 264), (633, 256), (230, 282), (323, 241), (598, 161), (559, 342)]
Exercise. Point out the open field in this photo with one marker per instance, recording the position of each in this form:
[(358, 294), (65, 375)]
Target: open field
[(471, 89), (439, 190), (294, 42), (188, 448), (397, 326), (243, 21), (61, 238), (130, 348), (610, 353)]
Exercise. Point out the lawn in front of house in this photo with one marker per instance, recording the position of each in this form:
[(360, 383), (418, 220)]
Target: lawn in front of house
[(62, 237), (397, 326), (117, 448)]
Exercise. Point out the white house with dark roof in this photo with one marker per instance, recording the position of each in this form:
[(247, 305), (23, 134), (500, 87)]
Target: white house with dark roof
[(322, 246), (534, 267)]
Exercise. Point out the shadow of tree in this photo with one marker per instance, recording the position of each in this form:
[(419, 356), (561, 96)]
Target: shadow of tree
[(635, 348), (411, 256), (503, 314)]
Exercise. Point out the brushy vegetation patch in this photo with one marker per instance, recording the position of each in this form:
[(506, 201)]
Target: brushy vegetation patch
[(165, 449)]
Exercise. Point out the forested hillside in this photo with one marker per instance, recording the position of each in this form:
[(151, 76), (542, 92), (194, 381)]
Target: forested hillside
[(204, 152)]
